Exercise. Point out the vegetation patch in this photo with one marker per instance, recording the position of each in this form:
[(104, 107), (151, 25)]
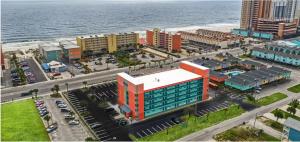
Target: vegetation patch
[(294, 89), (266, 100), (286, 114), (193, 124), (271, 123), (244, 133), (20, 121)]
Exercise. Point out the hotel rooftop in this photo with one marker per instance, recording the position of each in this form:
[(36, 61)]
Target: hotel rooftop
[(165, 78)]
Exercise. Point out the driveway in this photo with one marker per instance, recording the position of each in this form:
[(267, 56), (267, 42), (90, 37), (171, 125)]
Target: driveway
[(65, 132)]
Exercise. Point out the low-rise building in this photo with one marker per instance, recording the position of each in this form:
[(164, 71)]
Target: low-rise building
[(158, 38), (107, 43), (255, 78), (151, 95), (50, 52), (71, 51), (278, 53), (291, 130), (212, 38)]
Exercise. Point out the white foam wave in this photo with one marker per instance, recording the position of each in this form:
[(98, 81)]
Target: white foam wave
[(225, 27)]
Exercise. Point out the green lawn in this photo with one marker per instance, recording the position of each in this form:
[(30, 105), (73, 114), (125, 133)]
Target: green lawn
[(21, 122), (294, 89), (287, 115), (244, 56), (244, 133), (269, 99), (193, 124), (271, 123)]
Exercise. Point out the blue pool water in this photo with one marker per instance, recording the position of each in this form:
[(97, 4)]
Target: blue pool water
[(296, 42), (233, 73)]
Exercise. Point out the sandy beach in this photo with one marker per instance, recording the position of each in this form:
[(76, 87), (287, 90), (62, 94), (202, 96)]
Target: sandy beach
[(34, 44)]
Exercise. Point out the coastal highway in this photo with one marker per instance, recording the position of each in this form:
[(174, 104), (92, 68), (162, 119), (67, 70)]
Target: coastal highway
[(8, 94)]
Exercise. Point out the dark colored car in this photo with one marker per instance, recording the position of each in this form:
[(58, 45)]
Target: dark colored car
[(175, 120), (109, 109), (65, 110), (26, 94)]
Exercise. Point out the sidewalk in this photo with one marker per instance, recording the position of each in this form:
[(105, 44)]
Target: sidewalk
[(272, 117), (285, 107), (266, 128)]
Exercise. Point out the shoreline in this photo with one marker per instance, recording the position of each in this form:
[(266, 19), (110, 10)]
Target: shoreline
[(14, 46)]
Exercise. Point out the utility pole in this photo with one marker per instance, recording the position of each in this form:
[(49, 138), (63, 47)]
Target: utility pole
[(255, 119)]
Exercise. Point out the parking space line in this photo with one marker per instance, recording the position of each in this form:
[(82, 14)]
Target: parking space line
[(163, 125), (139, 134), (149, 131), (144, 133), (159, 127), (172, 123), (154, 129)]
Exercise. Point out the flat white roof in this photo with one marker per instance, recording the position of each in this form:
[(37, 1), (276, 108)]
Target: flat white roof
[(195, 65), (157, 80)]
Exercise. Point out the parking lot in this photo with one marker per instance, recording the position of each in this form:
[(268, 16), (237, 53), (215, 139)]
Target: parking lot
[(106, 92), (152, 126), (98, 119), (64, 131), (39, 76)]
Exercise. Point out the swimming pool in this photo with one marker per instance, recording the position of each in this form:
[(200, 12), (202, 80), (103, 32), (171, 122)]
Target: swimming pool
[(296, 42), (233, 73)]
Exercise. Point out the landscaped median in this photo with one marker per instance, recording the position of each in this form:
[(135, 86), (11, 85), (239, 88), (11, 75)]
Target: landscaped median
[(20, 121), (193, 124), (286, 114), (294, 89), (268, 99), (244, 133)]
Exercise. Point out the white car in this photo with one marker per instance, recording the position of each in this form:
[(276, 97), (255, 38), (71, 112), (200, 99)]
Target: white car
[(74, 122), (62, 105)]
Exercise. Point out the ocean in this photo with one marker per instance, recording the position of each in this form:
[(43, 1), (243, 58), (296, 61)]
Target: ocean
[(26, 21)]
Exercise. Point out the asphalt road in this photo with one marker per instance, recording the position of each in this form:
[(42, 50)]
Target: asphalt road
[(8, 94), (208, 133)]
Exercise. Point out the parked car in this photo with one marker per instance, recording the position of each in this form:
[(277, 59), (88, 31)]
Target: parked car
[(68, 116), (73, 122), (65, 110), (59, 102), (96, 125), (121, 122), (109, 109), (62, 106), (51, 128), (175, 120)]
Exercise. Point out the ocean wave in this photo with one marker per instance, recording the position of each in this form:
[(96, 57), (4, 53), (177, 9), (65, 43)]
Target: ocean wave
[(225, 27)]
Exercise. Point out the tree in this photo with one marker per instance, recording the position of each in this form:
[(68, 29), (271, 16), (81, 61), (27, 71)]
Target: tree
[(85, 84), (89, 139), (291, 110), (67, 85), (47, 118), (278, 114), (35, 91), (207, 115), (294, 103), (52, 90), (251, 98), (56, 88)]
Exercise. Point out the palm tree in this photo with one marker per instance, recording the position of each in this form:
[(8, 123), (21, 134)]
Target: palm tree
[(278, 114), (67, 85), (207, 115), (52, 90), (56, 88), (85, 84), (291, 110), (35, 91), (294, 103), (251, 98), (47, 118)]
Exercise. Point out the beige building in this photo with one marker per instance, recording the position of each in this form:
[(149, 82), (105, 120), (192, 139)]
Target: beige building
[(212, 38), (110, 42)]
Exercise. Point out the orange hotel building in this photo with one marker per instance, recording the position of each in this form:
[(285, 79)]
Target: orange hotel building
[(151, 95), (157, 38)]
